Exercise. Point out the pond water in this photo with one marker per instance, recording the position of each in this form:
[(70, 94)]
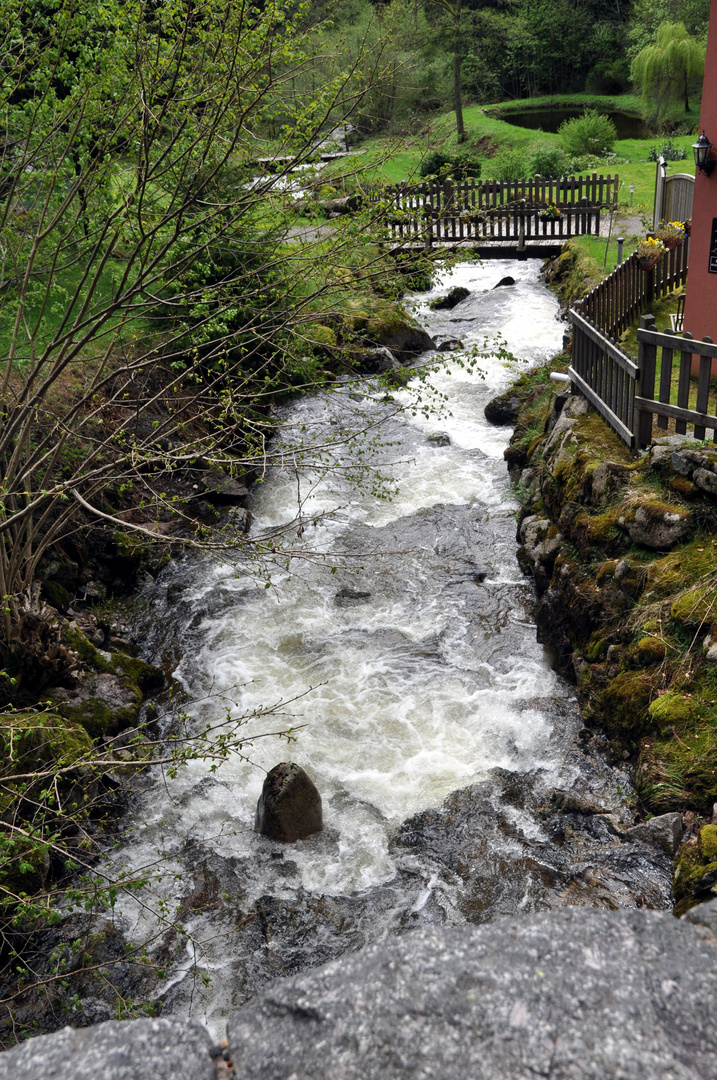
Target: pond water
[(627, 126)]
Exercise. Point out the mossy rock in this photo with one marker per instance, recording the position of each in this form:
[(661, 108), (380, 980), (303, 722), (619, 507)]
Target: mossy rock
[(648, 651), (708, 842), (110, 698), (671, 708), (624, 705), (696, 607), (30, 739), (597, 647)]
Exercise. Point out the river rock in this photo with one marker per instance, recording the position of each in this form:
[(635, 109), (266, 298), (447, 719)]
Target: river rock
[(439, 438), (289, 807), (375, 361), (503, 409), (404, 341), (222, 489), (572, 995), (349, 597), (452, 298), (450, 345), (116, 1050), (504, 281), (665, 831)]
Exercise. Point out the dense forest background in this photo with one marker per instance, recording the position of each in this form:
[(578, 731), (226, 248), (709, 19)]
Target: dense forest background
[(507, 48)]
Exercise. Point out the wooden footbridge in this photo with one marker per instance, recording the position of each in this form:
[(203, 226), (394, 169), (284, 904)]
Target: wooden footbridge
[(499, 218)]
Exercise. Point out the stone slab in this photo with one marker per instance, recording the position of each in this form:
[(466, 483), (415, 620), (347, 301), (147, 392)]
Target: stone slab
[(569, 995), (116, 1050)]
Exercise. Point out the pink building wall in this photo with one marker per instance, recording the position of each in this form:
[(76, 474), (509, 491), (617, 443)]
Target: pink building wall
[(701, 289)]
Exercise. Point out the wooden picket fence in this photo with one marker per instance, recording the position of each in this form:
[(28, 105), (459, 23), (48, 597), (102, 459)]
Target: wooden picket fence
[(488, 210), (624, 392), (629, 291)]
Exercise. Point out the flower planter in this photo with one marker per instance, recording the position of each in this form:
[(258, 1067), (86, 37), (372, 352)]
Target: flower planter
[(649, 264), (671, 244)]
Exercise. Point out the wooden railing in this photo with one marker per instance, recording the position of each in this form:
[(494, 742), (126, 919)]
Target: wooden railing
[(692, 403), (502, 223), (486, 210), (625, 392), (602, 373), (618, 301), (473, 194)]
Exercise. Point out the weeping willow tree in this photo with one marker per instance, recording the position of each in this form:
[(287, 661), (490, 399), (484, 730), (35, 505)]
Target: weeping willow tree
[(666, 71)]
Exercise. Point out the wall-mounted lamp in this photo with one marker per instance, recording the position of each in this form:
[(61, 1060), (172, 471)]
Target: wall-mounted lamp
[(702, 150)]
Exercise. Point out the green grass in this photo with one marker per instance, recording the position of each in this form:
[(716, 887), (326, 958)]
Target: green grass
[(483, 122)]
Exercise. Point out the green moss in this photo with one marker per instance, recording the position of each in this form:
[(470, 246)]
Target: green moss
[(56, 594), (597, 647), (678, 769), (86, 651), (30, 739), (671, 708), (708, 842), (649, 650), (624, 704), (696, 607)]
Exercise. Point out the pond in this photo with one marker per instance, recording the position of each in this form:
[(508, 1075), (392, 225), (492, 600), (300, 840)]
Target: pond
[(627, 126)]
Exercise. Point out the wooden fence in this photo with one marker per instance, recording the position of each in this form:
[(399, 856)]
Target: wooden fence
[(624, 392), (692, 404), (603, 374), (502, 223), (618, 301), (485, 210)]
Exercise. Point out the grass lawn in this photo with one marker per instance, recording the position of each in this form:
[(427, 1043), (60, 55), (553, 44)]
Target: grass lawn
[(399, 161)]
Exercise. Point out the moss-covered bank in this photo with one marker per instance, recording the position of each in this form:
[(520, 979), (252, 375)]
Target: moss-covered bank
[(623, 550)]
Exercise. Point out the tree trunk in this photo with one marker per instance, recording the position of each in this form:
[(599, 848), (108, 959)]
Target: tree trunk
[(457, 58)]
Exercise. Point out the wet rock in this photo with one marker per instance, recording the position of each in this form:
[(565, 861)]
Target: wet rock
[(349, 597), (568, 803), (450, 345), (289, 807), (175, 590), (579, 994), (451, 299), (606, 479), (504, 281), (704, 918), (375, 361), (503, 409), (222, 489), (116, 1050), (439, 438), (664, 831)]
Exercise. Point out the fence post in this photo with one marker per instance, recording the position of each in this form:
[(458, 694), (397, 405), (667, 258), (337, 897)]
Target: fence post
[(620, 242), (647, 363)]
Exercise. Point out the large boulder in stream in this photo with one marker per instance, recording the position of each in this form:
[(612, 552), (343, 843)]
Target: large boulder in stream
[(452, 298), (573, 995), (289, 806)]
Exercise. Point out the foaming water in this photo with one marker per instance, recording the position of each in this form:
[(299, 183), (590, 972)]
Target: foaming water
[(427, 682)]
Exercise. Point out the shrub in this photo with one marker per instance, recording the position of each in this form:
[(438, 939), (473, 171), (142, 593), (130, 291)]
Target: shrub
[(668, 151), (466, 164), (435, 164), (547, 161), (591, 133), (510, 165)]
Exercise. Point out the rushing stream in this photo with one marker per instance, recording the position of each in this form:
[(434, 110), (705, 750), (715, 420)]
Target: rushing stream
[(455, 783)]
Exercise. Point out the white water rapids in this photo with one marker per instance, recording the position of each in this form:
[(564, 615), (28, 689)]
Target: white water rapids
[(416, 690)]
